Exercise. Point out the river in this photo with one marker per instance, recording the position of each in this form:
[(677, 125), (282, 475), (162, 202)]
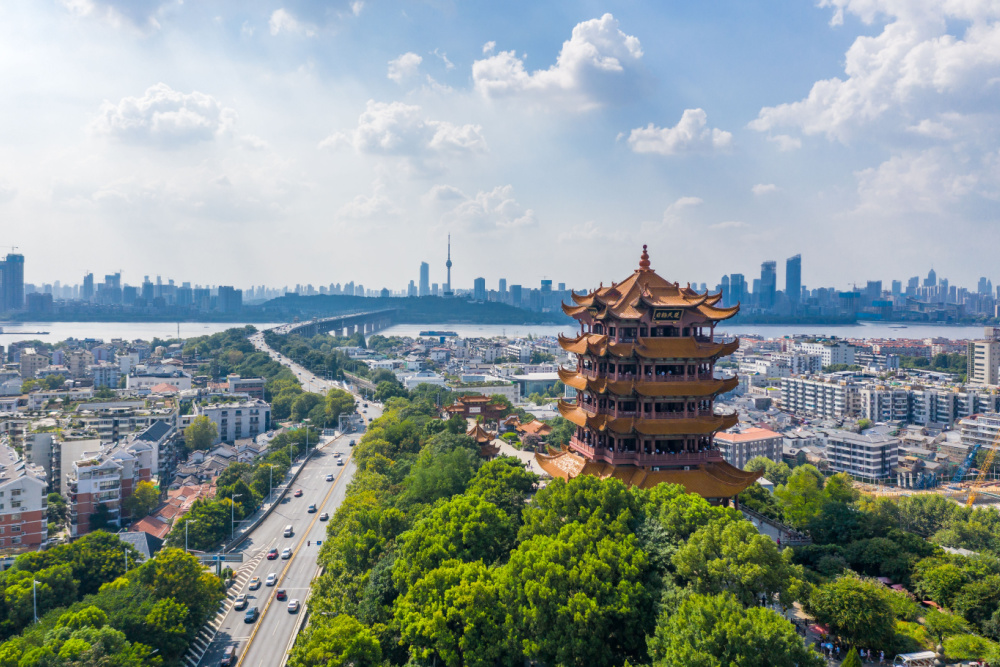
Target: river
[(866, 330), (57, 331)]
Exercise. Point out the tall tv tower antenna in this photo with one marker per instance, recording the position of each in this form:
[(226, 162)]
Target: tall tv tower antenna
[(447, 288)]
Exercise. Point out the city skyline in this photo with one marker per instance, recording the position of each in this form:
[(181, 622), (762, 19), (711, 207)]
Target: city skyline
[(549, 136)]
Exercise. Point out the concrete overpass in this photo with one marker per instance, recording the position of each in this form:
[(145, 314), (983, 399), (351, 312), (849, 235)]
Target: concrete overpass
[(344, 325)]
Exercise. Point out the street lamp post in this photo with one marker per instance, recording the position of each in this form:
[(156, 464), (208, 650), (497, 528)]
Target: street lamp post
[(186, 524), (34, 598), (232, 516), (306, 421)]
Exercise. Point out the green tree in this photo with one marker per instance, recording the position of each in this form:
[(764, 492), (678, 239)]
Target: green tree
[(144, 499), (731, 556), (857, 610), (389, 389), (57, 511), (200, 433), (100, 518), (466, 527), (165, 624), (338, 642), (180, 576), (581, 596), (938, 580), (853, 659), (942, 624), (304, 403), (715, 631), (971, 647), (775, 472), (864, 423), (608, 504), (440, 476), (978, 600), (802, 497), (453, 613), (506, 483)]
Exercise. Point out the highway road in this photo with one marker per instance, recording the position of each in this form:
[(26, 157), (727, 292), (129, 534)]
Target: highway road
[(266, 642)]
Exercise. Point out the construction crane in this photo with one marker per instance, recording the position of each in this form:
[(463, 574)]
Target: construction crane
[(984, 470)]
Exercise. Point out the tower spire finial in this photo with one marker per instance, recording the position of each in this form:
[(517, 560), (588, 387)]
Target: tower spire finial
[(644, 260)]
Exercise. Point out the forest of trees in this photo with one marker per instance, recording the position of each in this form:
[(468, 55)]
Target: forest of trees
[(92, 613)]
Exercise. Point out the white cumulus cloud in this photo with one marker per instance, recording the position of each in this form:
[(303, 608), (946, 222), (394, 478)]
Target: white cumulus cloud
[(165, 116), (400, 129), (691, 134), (404, 66), (283, 20), (485, 211), (914, 64), (764, 189), (370, 206), (590, 68)]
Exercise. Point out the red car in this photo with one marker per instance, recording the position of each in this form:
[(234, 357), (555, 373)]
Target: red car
[(298, 493), (280, 594), (272, 554)]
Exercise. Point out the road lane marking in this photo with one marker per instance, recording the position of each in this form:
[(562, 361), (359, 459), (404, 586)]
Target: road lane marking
[(281, 577)]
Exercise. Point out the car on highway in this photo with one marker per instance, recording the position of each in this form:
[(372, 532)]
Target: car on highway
[(253, 613), (272, 579), (241, 602), (324, 516), (293, 606), (329, 478), (340, 462), (254, 583), (228, 656), (352, 443), (272, 554), (280, 594), (365, 405), (286, 553), (298, 493), (311, 509)]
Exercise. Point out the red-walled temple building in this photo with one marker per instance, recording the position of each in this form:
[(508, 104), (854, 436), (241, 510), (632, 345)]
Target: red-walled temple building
[(646, 388)]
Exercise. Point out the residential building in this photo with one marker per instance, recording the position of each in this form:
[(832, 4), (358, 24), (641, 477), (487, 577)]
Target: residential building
[(31, 362), (832, 352), (106, 476), (12, 283), (246, 419), (983, 362), (252, 387), (147, 377), (980, 430), (864, 456), (739, 447), (105, 374), (23, 504), (825, 398), (425, 279), (793, 280), (78, 361), (884, 404)]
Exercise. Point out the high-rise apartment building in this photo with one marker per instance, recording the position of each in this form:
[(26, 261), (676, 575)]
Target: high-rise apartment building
[(768, 284), (738, 287), (12, 283), (87, 293), (503, 288), (425, 279), (793, 279), (983, 360), (479, 289)]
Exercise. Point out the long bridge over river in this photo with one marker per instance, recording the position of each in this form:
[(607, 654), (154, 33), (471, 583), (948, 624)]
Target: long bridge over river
[(347, 324)]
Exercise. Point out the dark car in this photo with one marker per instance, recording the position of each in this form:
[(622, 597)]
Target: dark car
[(272, 554), (228, 657), (352, 443), (280, 594), (252, 614)]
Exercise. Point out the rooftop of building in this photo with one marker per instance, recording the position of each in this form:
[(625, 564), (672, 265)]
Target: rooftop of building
[(747, 435)]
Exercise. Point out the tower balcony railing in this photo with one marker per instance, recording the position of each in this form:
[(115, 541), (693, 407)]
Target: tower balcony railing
[(593, 374), (641, 458)]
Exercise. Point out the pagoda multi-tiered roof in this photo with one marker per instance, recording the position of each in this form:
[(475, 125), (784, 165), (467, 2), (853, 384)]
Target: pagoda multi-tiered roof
[(646, 387)]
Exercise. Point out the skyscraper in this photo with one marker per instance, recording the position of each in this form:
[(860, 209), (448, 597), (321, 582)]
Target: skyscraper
[(12, 283), (738, 287), (447, 285), (425, 279), (503, 287), (727, 294), (87, 294), (931, 280), (768, 284), (479, 289), (793, 280)]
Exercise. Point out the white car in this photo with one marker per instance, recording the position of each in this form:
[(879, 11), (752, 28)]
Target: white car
[(329, 478), (293, 606), (272, 579), (286, 554)]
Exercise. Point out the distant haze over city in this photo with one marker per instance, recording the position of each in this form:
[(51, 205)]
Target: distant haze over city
[(239, 143)]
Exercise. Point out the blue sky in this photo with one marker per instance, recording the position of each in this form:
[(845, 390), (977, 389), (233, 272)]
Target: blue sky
[(294, 141)]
